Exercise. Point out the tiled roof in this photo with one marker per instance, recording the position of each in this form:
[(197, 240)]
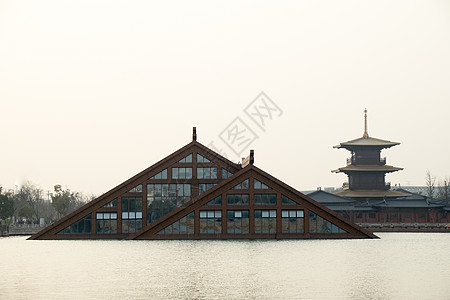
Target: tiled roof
[(369, 141), (371, 194), (327, 198), (368, 168)]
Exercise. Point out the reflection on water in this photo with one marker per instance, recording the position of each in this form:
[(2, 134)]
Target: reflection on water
[(397, 266)]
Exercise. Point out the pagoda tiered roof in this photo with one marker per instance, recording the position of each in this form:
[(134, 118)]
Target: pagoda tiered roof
[(368, 168), (371, 193), (366, 141)]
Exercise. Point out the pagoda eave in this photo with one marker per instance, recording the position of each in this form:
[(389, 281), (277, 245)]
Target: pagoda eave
[(367, 168), (371, 193)]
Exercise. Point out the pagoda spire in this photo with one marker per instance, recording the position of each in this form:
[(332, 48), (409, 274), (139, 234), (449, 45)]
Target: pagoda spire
[(365, 135)]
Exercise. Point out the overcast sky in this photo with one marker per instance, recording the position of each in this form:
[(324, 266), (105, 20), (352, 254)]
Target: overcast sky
[(92, 92)]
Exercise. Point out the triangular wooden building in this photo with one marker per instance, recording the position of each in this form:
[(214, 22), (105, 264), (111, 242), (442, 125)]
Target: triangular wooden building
[(195, 193)]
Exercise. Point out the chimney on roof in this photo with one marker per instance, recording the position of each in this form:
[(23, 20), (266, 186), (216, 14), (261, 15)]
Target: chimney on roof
[(249, 160), (194, 133)]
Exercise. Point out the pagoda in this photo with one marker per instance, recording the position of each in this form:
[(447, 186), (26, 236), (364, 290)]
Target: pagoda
[(366, 169)]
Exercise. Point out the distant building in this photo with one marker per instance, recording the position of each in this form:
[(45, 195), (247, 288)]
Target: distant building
[(366, 170), (367, 198), (414, 208), (195, 193)]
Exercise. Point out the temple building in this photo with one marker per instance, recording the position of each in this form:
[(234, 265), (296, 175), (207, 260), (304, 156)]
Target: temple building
[(367, 199), (195, 193), (366, 169)]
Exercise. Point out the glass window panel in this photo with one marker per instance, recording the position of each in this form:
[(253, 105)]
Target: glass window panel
[(165, 190), (99, 216), (124, 226), (285, 225), (168, 230), (124, 215), (265, 225), (258, 214), (265, 213), (190, 225), (113, 216), (182, 173), (213, 173), (175, 173), (158, 176), (188, 173), (176, 227), (180, 190), (299, 213), (132, 215), (273, 213), (245, 184), (334, 228), (113, 226), (107, 226), (292, 214), (272, 198), (238, 226), (132, 204), (203, 214), (150, 189), (284, 213), (106, 216), (258, 225), (203, 226), (164, 174), (200, 173), (245, 225), (187, 189), (218, 214), (139, 215), (210, 225), (138, 204), (183, 225), (257, 184), (132, 226), (272, 225), (124, 204), (210, 214), (238, 214), (158, 190), (299, 225)]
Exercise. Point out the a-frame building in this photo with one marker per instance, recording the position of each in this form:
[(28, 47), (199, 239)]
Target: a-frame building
[(195, 193)]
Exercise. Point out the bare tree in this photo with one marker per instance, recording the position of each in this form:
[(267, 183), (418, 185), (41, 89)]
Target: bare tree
[(34, 198), (430, 182), (444, 189)]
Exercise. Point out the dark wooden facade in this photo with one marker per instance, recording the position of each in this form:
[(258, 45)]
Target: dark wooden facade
[(415, 208), (195, 193)]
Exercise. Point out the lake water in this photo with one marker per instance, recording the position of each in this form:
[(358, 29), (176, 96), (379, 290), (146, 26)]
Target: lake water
[(397, 266)]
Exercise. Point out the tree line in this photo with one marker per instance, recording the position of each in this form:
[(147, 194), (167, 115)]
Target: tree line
[(30, 204)]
